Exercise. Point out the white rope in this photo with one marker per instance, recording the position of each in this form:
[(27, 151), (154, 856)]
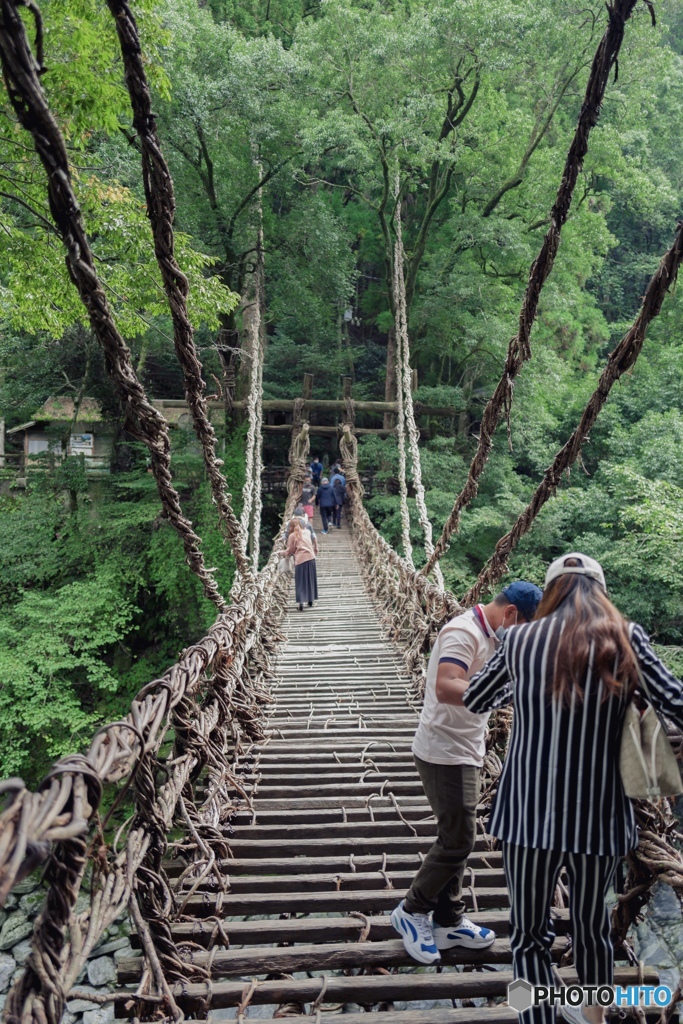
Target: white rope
[(251, 492), (258, 441), (400, 418), (252, 407), (405, 396)]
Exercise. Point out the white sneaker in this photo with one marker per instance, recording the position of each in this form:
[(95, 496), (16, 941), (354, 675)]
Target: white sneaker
[(416, 932), (574, 1014), (466, 934)]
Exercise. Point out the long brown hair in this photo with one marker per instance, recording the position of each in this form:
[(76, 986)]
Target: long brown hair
[(589, 620), (297, 526)]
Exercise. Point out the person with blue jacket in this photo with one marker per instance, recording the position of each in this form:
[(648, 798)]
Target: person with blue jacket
[(338, 485), (327, 501), (316, 468)]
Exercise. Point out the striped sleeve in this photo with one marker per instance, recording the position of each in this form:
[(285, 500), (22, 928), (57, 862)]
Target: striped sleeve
[(665, 690), (491, 688)]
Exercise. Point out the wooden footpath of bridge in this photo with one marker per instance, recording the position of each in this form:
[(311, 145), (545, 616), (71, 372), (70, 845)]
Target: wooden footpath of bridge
[(339, 826)]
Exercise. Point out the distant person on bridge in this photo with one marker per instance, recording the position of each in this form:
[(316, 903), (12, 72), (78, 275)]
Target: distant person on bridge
[(449, 749), (316, 468), (308, 497), (338, 485), (302, 548), (301, 514), (327, 501), (570, 675)]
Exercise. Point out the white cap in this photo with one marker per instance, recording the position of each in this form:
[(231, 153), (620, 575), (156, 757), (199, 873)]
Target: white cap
[(587, 567)]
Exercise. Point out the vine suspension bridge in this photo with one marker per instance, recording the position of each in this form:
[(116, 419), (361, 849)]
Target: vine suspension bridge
[(257, 813)]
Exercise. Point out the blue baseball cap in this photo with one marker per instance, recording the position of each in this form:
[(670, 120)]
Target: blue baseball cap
[(525, 596)]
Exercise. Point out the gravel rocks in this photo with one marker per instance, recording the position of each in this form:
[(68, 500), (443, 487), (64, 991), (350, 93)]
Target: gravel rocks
[(7, 968), (16, 927), (101, 971)]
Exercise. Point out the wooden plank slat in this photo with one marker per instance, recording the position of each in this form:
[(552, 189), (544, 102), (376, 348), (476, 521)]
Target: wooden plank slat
[(375, 988), (324, 929), (330, 865), (346, 881), (328, 957), (342, 844), (305, 833), (370, 901)]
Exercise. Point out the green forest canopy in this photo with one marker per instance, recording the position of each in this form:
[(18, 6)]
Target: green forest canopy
[(473, 104)]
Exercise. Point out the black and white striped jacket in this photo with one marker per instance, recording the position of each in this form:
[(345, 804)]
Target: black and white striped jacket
[(560, 788)]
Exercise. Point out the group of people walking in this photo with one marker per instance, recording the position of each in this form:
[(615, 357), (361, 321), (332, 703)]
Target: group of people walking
[(301, 543), (569, 663), (329, 493)]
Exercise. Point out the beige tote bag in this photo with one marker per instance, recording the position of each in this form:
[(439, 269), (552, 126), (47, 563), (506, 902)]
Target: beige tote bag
[(647, 762)]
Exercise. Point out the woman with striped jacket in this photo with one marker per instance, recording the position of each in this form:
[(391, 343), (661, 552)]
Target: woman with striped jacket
[(570, 675)]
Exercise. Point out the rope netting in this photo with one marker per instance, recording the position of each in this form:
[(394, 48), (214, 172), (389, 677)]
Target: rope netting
[(214, 700), (413, 607)]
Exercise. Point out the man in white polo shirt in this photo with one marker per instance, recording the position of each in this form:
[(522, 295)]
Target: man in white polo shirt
[(449, 749)]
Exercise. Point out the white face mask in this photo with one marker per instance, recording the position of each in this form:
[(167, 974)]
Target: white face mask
[(502, 630)]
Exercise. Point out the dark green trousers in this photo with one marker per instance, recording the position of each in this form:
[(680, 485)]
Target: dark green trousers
[(453, 794)]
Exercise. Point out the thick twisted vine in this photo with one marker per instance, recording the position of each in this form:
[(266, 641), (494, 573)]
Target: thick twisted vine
[(299, 450), (258, 430), (21, 73), (620, 361), (519, 350), (402, 462), (160, 198), (251, 505), (404, 390)]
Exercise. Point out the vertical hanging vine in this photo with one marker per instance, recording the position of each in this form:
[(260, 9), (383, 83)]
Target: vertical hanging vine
[(519, 349), (254, 315), (160, 197), (404, 382), (21, 72)]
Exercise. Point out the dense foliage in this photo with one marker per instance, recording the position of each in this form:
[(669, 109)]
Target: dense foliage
[(303, 113)]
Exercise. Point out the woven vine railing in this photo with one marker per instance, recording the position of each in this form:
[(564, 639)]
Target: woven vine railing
[(413, 608), (213, 699)]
